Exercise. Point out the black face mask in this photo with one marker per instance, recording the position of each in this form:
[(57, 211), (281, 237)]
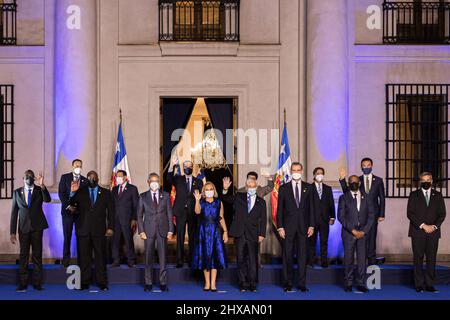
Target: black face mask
[(354, 186), (425, 185), (92, 183), (188, 171)]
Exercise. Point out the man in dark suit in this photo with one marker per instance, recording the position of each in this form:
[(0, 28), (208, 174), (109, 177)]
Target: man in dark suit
[(295, 222), (27, 208), (183, 208), (155, 225), (325, 213), (248, 229), (426, 213), (372, 186), (95, 209), (260, 191), (68, 219), (356, 214), (125, 197)]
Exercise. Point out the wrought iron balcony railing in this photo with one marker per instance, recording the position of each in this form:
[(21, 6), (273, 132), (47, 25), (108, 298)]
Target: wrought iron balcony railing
[(418, 22), (8, 26), (199, 20)]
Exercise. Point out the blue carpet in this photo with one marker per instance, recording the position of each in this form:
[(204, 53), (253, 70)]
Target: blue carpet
[(228, 292)]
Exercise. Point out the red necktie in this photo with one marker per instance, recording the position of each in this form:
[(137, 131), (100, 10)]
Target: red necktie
[(120, 190)]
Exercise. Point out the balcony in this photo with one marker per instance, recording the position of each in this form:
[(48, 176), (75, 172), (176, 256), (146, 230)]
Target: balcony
[(8, 27), (417, 22), (199, 20)]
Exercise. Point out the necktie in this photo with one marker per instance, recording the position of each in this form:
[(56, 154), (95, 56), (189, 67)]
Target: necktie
[(367, 187), (120, 190), (355, 199), (249, 203), (427, 198), (155, 201), (188, 184), (319, 190), (297, 195), (29, 198), (92, 196)]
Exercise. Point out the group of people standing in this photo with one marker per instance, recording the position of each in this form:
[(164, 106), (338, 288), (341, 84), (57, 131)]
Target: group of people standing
[(305, 212)]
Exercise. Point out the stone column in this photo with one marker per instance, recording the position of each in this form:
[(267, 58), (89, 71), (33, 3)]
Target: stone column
[(75, 83), (327, 86)]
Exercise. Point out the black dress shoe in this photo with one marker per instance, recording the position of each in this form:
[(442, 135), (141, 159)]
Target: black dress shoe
[(21, 288), (179, 265), (324, 265), (66, 263), (243, 289), (252, 289), (131, 264), (372, 262), (163, 288), (104, 288), (431, 289), (83, 287), (287, 288), (206, 289), (303, 289), (362, 289), (38, 287), (419, 289), (348, 289), (148, 288), (115, 264)]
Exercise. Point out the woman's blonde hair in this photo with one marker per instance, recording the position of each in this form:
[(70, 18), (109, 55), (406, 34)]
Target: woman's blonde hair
[(209, 184)]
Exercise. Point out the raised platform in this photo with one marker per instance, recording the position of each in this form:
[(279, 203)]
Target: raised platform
[(268, 274)]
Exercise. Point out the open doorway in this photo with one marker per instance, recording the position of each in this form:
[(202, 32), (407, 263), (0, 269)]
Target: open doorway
[(200, 126)]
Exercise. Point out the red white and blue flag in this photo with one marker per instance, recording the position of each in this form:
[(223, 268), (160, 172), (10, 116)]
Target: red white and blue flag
[(283, 173), (120, 158)]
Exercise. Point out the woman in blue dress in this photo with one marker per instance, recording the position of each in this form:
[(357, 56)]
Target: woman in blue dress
[(209, 253)]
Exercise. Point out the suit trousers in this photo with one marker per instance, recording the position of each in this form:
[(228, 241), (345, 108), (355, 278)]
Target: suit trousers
[(352, 246), (190, 219), (161, 245), (425, 247), (323, 230), (87, 246), (31, 240), (372, 243), (299, 241), (123, 228), (68, 222), (247, 261)]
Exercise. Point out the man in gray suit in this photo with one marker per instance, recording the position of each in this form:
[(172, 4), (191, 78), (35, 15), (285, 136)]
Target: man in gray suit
[(155, 225)]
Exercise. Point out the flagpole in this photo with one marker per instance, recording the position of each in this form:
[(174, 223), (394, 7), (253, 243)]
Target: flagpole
[(120, 115)]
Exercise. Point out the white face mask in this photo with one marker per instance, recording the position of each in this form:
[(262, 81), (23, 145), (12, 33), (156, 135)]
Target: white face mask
[(251, 191), (119, 180), (154, 186), (209, 193), (319, 178), (77, 171), (296, 176)]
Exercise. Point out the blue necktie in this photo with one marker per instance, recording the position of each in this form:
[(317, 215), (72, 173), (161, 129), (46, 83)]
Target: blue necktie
[(29, 198), (249, 203), (92, 196)]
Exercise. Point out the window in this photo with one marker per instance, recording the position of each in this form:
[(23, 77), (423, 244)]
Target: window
[(416, 21), (199, 20), (416, 136), (7, 141), (8, 28)]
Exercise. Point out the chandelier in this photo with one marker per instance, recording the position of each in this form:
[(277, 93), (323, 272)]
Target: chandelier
[(208, 153)]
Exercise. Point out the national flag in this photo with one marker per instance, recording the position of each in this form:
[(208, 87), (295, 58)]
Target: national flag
[(120, 158), (283, 173)]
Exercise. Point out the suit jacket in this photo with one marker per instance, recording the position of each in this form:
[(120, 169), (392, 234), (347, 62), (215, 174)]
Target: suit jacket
[(324, 208), (184, 198), (30, 219), (151, 219), (125, 205), (291, 218), (93, 220), (249, 224), (376, 194), (64, 190), (419, 213), (351, 218)]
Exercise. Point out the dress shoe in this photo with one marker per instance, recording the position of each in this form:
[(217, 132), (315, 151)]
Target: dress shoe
[(131, 264), (303, 289), (419, 289), (431, 289), (148, 288), (38, 287), (243, 289), (83, 287), (252, 289), (206, 289), (21, 288), (287, 288), (372, 262), (324, 265), (348, 289), (164, 288), (362, 289), (115, 264), (66, 263), (103, 287), (179, 265)]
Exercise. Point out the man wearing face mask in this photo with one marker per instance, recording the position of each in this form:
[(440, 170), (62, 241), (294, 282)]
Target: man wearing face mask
[(155, 225), (125, 197), (260, 191), (295, 222), (95, 209), (68, 219), (27, 208), (248, 229), (373, 187), (183, 208), (325, 213), (356, 214), (426, 213)]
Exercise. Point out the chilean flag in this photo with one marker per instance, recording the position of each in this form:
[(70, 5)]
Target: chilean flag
[(283, 174), (120, 158)]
